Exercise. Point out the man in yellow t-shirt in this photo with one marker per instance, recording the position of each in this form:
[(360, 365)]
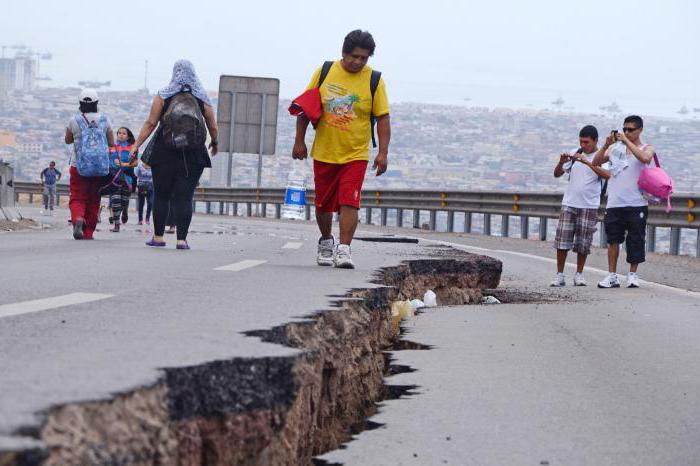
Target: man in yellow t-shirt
[(341, 146)]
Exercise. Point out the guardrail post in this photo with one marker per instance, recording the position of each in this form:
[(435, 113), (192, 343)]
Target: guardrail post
[(416, 218), (383, 212), (487, 224), (505, 225), (450, 221), (675, 248), (263, 210), (58, 200), (524, 227), (249, 209), (368, 215), (208, 204), (603, 242), (467, 222), (221, 208), (399, 217), (651, 238), (307, 212), (543, 228), (433, 220), (31, 198), (278, 211), (697, 245)]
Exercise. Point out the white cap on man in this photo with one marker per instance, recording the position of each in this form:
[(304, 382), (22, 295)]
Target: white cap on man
[(88, 95)]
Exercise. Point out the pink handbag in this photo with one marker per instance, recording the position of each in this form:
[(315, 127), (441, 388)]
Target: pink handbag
[(656, 185)]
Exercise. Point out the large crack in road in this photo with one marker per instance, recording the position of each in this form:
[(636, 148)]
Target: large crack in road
[(268, 410)]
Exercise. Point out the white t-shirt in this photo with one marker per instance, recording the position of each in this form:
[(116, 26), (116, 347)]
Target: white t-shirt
[(74, 128), (623, 190), (583, 191)]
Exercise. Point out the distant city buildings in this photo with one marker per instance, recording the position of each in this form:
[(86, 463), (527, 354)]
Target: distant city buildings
[(433, 146)]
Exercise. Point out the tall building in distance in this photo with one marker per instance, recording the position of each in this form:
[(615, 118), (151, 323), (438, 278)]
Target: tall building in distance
[(17, 73), (7, 76)]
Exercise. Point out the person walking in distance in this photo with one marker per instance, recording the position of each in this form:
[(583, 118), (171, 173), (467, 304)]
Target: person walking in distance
[(49, 177), (145, 191), (91, 134), (352, 96), (627, 210), (579, 206), (179, 155)]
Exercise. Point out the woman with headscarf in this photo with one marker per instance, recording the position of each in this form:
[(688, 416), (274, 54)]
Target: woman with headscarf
[(179, 155)]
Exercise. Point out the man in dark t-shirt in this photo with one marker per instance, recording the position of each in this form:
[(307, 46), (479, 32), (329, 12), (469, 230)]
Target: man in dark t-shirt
[(49, 176)]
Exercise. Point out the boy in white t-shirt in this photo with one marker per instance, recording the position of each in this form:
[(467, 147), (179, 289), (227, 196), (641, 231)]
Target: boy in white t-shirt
[(579, 207), (627, 210)]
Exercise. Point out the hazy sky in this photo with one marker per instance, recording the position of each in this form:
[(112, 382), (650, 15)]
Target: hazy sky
[(642, 54)]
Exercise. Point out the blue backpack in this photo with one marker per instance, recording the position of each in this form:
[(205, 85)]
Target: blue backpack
[(92, 152)]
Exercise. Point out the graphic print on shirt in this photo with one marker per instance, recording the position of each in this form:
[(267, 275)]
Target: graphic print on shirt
[(339, 106)]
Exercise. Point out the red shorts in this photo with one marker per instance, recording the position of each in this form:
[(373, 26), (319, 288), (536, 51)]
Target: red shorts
[(338, 184)]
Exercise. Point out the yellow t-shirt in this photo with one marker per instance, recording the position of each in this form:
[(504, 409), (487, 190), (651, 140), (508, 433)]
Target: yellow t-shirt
[(343, 133)]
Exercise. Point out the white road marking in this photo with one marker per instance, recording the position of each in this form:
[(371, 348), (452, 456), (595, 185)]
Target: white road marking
[(292, 245), (44, 304), (680, 291), (242, 265)]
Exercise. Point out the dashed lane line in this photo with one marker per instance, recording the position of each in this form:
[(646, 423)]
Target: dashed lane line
[(36, 305), (242, 265), (292, 245)]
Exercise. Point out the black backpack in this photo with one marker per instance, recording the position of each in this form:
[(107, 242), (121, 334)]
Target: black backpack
[(373, 84), (183, 122)]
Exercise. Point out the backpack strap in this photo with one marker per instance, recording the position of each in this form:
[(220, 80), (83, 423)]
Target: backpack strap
[(83, 122), (656, 161), (373, 85), (325, 68)]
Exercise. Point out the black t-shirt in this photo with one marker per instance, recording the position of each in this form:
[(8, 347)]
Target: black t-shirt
[(162, 154)]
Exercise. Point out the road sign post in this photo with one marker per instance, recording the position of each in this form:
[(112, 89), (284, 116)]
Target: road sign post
[(247, 119)]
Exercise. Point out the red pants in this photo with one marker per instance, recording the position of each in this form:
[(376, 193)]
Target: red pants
[(85, 200), (338, 185)]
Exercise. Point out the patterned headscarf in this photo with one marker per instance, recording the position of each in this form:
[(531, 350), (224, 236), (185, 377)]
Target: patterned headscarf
[(183, 74)]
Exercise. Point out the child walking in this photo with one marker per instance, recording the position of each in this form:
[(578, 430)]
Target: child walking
[(122, 177)]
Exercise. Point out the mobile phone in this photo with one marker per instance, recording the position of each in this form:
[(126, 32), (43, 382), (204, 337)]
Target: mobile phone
[(614, 134)]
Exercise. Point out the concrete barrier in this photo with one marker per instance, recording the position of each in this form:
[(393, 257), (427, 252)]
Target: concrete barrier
[(7, 192)]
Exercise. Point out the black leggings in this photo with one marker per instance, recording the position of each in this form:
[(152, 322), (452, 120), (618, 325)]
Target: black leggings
[(177, 182)]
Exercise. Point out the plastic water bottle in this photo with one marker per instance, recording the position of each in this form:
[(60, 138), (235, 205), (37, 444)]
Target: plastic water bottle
[(295, 198)]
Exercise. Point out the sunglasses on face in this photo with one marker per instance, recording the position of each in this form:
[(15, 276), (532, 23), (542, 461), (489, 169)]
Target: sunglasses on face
[(629, 130)]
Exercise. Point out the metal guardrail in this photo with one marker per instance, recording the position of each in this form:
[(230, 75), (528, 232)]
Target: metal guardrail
[(685, 212)]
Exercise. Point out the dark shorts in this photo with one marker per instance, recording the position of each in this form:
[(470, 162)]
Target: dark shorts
[(628, 225), (336, 185)]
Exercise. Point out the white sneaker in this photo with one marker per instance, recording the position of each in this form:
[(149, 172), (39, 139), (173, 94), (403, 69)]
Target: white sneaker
[(632, 280), (579, 280), (559, 280), (611, 281), (343, 258), (325, 251)]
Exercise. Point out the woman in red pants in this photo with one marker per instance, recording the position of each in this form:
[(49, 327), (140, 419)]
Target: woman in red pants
[(85, 191)]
